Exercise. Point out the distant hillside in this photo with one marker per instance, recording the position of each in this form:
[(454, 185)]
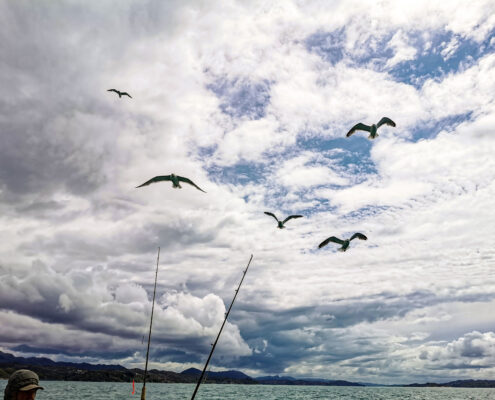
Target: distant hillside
[(468, 383), (289, 380), (275, 378), (229, 376), (267, 380), (6, 358), (51, 370), (65, 371)]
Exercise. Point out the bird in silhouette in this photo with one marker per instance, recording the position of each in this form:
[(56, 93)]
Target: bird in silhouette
[(281, 223), (371, 129), (345, 243), (119, 93), (175, 179)]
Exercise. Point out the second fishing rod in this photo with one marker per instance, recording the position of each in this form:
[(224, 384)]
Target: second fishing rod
[(220, 331)]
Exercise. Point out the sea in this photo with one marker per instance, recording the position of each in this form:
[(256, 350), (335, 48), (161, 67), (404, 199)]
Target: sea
[(58, 390)]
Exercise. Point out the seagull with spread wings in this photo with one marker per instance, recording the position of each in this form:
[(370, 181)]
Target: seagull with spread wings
[(281, 223), (345, 243), (175, 179), (371, 129), (119, 93)]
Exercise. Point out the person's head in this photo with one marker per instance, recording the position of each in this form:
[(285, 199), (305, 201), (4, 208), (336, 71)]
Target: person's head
[(22, 385)]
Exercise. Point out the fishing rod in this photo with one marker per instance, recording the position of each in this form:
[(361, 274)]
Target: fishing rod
[(218, 336), (143, 391)]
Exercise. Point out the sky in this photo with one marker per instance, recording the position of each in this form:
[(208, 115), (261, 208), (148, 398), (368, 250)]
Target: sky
[(252, 101)]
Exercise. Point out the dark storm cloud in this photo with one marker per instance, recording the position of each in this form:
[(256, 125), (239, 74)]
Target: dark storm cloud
[(473, 349), (461, 365), (49, 140), (291, 347), (183, 350), (349, 312), (71, 351), (318, 332), (38, 158), (82, 308), (57, 123), (54, 298), (33, 335), (178, 356)]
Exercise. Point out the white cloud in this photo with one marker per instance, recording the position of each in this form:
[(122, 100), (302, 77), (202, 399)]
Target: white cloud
[(249, 141), (470, 90), (300, 172), (65, 302), (474, 345), (449, 48), (403, 51), (474, 350), (127, 293)]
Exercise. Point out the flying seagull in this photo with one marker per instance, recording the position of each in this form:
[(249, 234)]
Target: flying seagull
[(371, 129), (119, 93), (345, 243), (281, 223), (175, 179)]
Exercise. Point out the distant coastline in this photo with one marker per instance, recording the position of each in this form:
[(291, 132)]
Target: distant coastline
[(65, 371)]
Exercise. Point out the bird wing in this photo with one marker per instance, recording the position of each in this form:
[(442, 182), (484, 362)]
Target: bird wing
[(386, 121), (273, 215), (187, 180), (359, 236), (113, 90), (291, 216), (359, 127), (330, 239), (126, 94), (156, 179)]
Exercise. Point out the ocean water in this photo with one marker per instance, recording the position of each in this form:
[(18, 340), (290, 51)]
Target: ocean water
[(57, 390)]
